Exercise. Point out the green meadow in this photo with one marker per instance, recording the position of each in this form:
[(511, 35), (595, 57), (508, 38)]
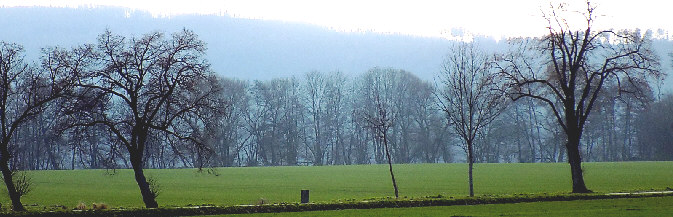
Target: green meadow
[(233, 186)]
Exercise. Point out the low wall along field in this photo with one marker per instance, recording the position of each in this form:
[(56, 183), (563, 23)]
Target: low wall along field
[(233, 186)]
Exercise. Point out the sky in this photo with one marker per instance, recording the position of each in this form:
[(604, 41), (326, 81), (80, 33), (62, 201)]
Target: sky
[(427, 18)]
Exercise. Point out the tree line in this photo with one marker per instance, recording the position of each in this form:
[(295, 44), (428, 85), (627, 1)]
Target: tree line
[(153, 102), (319, 120)]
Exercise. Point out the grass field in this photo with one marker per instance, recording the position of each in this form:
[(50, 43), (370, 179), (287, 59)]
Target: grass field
[(656, 206), (181, 187)]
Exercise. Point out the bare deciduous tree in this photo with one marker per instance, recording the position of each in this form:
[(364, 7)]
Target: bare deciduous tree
[(324, 102), (379, 113), (316, 85), (380, 121), (25, 91), (472, 95), (228, 130), (275, 119), (567, 69), (142, 88)]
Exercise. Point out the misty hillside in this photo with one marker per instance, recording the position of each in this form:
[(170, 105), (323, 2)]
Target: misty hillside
[(243, 48), (246, 48)]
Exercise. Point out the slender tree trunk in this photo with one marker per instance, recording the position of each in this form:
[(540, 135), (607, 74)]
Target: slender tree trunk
[(72, 162), (519, 150), (561, 151), (390, 165), (575, 161), (626, 145), (52, 159), (9, 183), (470, 162), (530, 137), (148, 196)]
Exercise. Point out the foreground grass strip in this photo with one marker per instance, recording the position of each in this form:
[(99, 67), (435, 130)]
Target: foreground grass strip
[(380, 203)]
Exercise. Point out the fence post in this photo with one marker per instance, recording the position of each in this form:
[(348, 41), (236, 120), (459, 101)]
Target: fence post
[(304, 196)]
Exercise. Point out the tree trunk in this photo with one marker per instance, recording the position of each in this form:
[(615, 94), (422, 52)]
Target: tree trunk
[(561, 152), (52, 156), (470, 162), (390, 165), (626, 145), (11, 189), (148, 196), (72, 162), (575, 161)]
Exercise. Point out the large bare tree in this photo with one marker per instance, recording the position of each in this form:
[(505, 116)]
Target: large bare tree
[(472, 95), (25, 92), (567, 69), (142, 88)]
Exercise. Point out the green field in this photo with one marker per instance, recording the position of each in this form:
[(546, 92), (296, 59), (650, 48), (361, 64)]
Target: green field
[(656, 206), (232, 186)]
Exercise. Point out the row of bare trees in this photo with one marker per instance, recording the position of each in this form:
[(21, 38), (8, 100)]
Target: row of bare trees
[(153, 102), (325, 119)]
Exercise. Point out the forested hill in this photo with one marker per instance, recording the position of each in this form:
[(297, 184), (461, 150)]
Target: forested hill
[(246, 48), (242, 48)]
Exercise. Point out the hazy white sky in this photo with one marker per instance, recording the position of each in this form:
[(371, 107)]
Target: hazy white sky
[(433, 18)]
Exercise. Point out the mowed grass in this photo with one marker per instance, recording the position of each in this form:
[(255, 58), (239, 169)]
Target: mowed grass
[(655, 206), (234, 186)]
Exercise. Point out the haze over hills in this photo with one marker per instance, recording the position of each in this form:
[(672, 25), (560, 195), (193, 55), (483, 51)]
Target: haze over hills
[(242, 48), (248, 48)]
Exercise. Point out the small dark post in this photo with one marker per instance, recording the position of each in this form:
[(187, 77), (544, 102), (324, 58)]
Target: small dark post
[(304, 196)]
